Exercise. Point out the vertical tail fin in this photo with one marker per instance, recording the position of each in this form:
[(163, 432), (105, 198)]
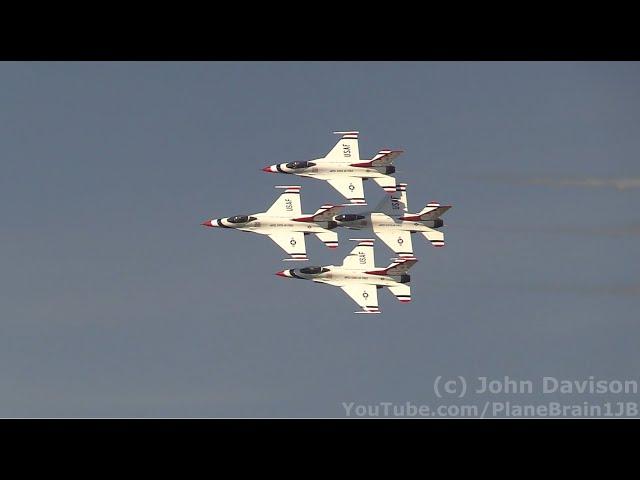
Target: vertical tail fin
[(432, 211), (324, 214), (362, 256), (400, 266), (385, 157), (396, 204), (346, 149), (401, 194)]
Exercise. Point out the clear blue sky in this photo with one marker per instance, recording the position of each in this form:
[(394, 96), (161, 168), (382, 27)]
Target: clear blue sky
[(114, 301)]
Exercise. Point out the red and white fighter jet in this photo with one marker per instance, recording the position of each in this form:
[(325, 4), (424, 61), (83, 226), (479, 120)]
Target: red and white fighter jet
[(393, 224), (344, 170), (285, 224), (359, 278)]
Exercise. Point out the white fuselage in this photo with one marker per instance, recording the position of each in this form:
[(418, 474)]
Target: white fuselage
[(340, 276), (379, 222), (327, 170), (267, 224)]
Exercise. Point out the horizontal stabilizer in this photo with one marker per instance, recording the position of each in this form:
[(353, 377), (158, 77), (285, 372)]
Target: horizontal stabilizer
[(329, 238), (288, 203), (430, 213), (402, 292), (435, 237), (433, 210), (387, 183), (363, 241)]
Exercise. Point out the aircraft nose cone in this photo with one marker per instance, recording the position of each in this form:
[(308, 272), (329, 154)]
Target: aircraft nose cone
[(283, 273), (268, 169), (208, 223)]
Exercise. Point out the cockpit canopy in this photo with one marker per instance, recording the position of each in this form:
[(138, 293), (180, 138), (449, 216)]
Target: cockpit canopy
[(296, 165), (313, 270), (240, 219), (348, 217)]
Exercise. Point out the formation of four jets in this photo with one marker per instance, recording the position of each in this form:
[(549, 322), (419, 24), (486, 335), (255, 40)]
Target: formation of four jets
[(390, 221)]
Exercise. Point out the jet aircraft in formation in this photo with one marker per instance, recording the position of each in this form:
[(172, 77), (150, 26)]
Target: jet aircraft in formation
[(390, 221), (285, 224), (344, 170), (359, 278)]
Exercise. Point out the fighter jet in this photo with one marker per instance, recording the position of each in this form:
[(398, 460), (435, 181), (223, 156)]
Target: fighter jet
[(343, 168), (359, 278), (285, 224), (392, 223)]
